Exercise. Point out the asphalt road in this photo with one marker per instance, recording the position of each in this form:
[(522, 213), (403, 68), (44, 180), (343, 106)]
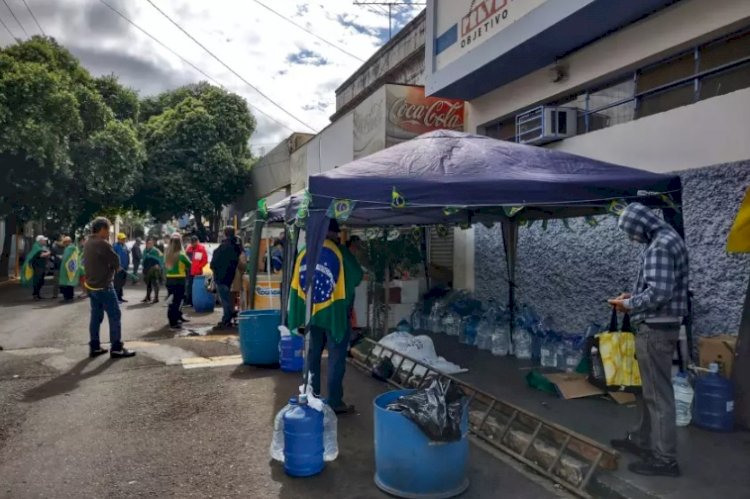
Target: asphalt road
[(71, 427)]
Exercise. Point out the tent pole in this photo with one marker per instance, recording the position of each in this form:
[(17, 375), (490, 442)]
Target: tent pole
[(741, 369), (253, 263), (510, 243)]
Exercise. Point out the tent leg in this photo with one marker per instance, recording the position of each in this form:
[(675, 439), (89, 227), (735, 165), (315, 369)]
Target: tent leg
[(741, 370), (253, 263), (510, 243)]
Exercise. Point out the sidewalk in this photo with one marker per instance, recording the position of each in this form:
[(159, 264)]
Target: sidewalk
[(713, 464)]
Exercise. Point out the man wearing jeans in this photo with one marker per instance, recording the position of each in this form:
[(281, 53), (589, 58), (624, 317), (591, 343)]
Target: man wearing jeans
[(224, 264), (658, 304), (101, 265)]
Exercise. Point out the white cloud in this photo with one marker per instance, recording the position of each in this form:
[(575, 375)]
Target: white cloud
[(287, 64)]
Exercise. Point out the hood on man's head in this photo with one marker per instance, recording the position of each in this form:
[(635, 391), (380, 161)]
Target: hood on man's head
[(640, 223)]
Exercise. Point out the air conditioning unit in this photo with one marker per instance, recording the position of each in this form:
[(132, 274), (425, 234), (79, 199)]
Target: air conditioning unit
[(546, 124)]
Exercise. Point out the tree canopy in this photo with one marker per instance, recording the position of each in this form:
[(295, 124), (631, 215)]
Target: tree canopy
[(64, 151), (72, 145)]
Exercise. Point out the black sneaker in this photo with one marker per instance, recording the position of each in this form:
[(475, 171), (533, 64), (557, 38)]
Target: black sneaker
[(184, 319), (654, 467), (121, 354), (97, 352), (146, 300), (175, 327), (628, 445)]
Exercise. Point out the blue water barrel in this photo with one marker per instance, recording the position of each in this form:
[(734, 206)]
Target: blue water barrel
[(303, 440), (291, 350), (713, 405), (408, 464), (203, 301), (259, 337)]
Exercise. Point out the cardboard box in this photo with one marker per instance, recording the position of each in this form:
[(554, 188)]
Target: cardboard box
[(719, 349), (574, 386)]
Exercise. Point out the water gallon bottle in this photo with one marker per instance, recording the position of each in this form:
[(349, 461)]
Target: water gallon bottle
[(303, 440), (484, 333), (416, 317), (713, 407), (597, 368), (468, 332), (683, 398), (277, 443), (291, 349), (522, 344), (501, 339), (548, 351), (451, 323)]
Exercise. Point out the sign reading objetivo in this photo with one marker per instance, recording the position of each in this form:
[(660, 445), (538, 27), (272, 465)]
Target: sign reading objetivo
[(465, 24), (410, 113)]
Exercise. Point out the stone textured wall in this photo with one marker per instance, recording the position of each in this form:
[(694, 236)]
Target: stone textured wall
[(568, 274)]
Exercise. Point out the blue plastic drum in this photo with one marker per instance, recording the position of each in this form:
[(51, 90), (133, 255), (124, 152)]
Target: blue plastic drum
[(203, 301), (259, 337), (291, 350), (408, 464)]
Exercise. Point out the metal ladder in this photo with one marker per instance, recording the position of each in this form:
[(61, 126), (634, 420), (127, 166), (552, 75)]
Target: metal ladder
[(562, 455)]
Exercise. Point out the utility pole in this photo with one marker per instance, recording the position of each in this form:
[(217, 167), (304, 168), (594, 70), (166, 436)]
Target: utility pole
[(390, 11)]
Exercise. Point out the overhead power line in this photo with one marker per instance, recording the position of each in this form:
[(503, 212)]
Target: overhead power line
[(7, 28), (34, 18), (309, 32), (220, 61), (199, 70), (14, 17)]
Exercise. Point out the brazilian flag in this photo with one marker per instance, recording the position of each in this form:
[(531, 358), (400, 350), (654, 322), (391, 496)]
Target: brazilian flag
[(27, 270), (329, 309), (70, 269)]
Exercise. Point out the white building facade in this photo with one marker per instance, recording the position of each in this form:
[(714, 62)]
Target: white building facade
[(660, 85)]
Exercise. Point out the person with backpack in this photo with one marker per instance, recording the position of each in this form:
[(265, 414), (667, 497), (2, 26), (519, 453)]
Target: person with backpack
[(153, 263), (224, 265)]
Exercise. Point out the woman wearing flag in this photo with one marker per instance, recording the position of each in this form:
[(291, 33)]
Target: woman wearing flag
[(69, 270), (35, 266)]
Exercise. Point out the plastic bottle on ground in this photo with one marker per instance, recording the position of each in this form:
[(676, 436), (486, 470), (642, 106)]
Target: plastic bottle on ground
[(683, 397), (501, 339), (522, 344), (330, 434)]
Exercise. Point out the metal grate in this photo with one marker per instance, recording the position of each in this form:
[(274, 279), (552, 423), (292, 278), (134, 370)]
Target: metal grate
[(564, 456)]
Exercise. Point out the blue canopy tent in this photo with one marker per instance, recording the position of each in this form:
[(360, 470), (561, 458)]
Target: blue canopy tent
[(456, 178)]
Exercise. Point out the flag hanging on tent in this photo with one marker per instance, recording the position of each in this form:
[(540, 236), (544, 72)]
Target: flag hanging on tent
[(591, 221), (70, 267), (397, 199), (512, 210), (27, 270), (262, 209), (739, 236), (329, 310), (617, 206), (668, 200), (340, 209)]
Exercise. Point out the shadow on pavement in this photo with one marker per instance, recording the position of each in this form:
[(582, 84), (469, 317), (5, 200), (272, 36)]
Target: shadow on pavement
[(66, 382), (252, 372)]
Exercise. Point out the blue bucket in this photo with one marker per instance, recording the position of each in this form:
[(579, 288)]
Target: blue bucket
[(203, 301), (408, 464), (259, 337)]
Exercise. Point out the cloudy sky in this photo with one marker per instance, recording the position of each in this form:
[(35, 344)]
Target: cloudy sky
[(292, 67)]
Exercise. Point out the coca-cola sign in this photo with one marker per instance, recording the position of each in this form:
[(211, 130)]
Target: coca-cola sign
[(410, 113)]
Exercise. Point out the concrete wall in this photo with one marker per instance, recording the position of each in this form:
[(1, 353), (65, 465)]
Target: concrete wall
[(568, 274), (678, 27)]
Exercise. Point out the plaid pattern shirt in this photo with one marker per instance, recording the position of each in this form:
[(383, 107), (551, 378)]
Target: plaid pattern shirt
[(661, 289)]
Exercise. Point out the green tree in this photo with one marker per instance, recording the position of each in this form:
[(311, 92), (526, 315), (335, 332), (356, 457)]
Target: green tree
[(198, 159), (64, 153)]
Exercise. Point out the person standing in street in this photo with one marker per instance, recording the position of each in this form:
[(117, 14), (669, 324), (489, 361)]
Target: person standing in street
[(35, 267), (199, 259), (657, 305), (153, 263), (55, 261), (330, 324), (101, 265), (226, 259), (137, 254), (122, 274), (177, 268), (69, 270)]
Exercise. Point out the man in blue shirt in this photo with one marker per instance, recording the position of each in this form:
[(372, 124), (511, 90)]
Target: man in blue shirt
[(123, 253)]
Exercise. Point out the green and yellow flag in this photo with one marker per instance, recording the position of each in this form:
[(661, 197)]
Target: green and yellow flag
[(27, 270), (70, 269), (329, 307)]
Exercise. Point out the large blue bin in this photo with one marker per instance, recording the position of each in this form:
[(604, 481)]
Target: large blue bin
[(203, 301), (259, 337), (408, 464)]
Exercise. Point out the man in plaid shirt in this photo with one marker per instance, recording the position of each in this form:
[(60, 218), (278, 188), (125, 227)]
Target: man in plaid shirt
[(657, 306)]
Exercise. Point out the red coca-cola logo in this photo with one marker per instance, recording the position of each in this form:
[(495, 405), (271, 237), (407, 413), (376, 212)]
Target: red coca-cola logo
[(426, 115)]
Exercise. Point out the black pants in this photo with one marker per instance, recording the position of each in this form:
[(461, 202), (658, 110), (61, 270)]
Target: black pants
[(152, 278), (136, 265), (120, 278), (175, 287), (189, 291), (68, 292), (38, 282)]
